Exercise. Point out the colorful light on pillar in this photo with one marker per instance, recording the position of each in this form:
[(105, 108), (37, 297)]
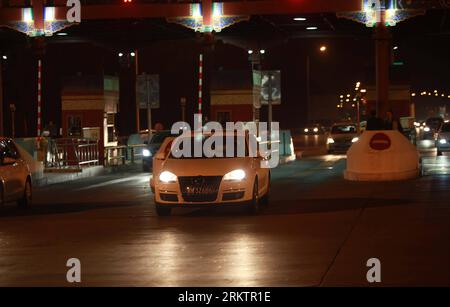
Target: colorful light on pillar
[(218, 21), (372, 11), (51, 24)]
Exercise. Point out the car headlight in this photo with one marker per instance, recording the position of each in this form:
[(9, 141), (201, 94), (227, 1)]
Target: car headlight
[(442, 141), (236, 175), (316, 130), (355, 139), (167, 177), (426, 129), (146, 153), (306, 130), (330, 141)]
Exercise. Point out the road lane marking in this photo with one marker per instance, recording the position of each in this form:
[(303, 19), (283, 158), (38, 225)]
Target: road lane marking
[(115, 181)]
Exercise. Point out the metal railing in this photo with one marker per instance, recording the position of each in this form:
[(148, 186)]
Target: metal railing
[(71, 153), (120, 155)]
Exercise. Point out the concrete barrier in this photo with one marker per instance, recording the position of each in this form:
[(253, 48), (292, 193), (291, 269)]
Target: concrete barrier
[(382, 156)]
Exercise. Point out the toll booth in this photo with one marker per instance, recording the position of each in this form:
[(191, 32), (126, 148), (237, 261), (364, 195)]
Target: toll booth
[(231, 96), (89, 108)]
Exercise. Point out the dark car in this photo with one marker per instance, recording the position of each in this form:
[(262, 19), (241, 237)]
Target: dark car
[(432, 126), (152, 148)]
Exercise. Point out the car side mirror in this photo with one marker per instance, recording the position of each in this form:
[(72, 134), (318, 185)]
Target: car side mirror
[(8, 161), (159, 156)]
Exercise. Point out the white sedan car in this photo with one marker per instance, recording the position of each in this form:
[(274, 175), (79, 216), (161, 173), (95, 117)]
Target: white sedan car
[(15, 176), (189, 182)]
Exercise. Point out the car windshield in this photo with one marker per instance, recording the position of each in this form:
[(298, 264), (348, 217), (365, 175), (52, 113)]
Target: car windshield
[(221, 147), (446, 127), (434, 122), (343, 129), (159, 137)]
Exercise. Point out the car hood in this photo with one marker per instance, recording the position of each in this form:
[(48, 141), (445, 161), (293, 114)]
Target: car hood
[(205, 167), (343, 136)]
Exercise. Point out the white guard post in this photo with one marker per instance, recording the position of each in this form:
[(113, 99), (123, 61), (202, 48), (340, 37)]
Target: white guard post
[(382, 156)]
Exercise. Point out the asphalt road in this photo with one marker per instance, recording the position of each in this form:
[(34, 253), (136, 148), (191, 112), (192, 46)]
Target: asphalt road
[(318, 230)]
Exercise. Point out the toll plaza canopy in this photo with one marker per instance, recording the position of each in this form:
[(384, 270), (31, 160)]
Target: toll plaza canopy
[(40, 17)]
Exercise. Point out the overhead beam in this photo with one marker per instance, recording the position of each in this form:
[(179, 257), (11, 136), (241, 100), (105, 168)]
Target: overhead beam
[(290, 7)]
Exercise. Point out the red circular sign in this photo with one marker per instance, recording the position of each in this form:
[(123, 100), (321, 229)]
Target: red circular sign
[(380, 141)]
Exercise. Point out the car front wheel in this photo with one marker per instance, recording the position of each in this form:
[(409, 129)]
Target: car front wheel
[(253, 207), (26, 199)]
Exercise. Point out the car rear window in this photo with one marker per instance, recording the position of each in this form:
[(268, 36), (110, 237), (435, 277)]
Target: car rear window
[(342, 129)]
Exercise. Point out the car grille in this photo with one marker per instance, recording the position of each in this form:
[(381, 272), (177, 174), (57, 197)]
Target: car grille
[(199, 188)]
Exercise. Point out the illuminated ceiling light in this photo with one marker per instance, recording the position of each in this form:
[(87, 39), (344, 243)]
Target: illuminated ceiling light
[(62, 34), (299, 18), (311, 28), (27, 15), (49, 14)]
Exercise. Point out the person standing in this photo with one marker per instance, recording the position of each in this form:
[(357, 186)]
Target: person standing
[(391, 123), (374, 123)]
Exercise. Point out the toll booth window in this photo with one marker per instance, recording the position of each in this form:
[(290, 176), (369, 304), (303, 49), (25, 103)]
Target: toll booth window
[(111, 134), (74, 127)]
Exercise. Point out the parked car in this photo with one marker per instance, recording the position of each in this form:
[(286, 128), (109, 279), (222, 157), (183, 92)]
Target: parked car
[(341, 137), (431, 127), (443, 139), (203, 181), (15, 175), (313, 130)]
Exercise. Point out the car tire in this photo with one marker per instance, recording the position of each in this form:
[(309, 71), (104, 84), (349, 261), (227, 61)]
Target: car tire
[(27, 197), (439, 153), (162, 210), (265, 199), (253, 206), (2, 195)]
